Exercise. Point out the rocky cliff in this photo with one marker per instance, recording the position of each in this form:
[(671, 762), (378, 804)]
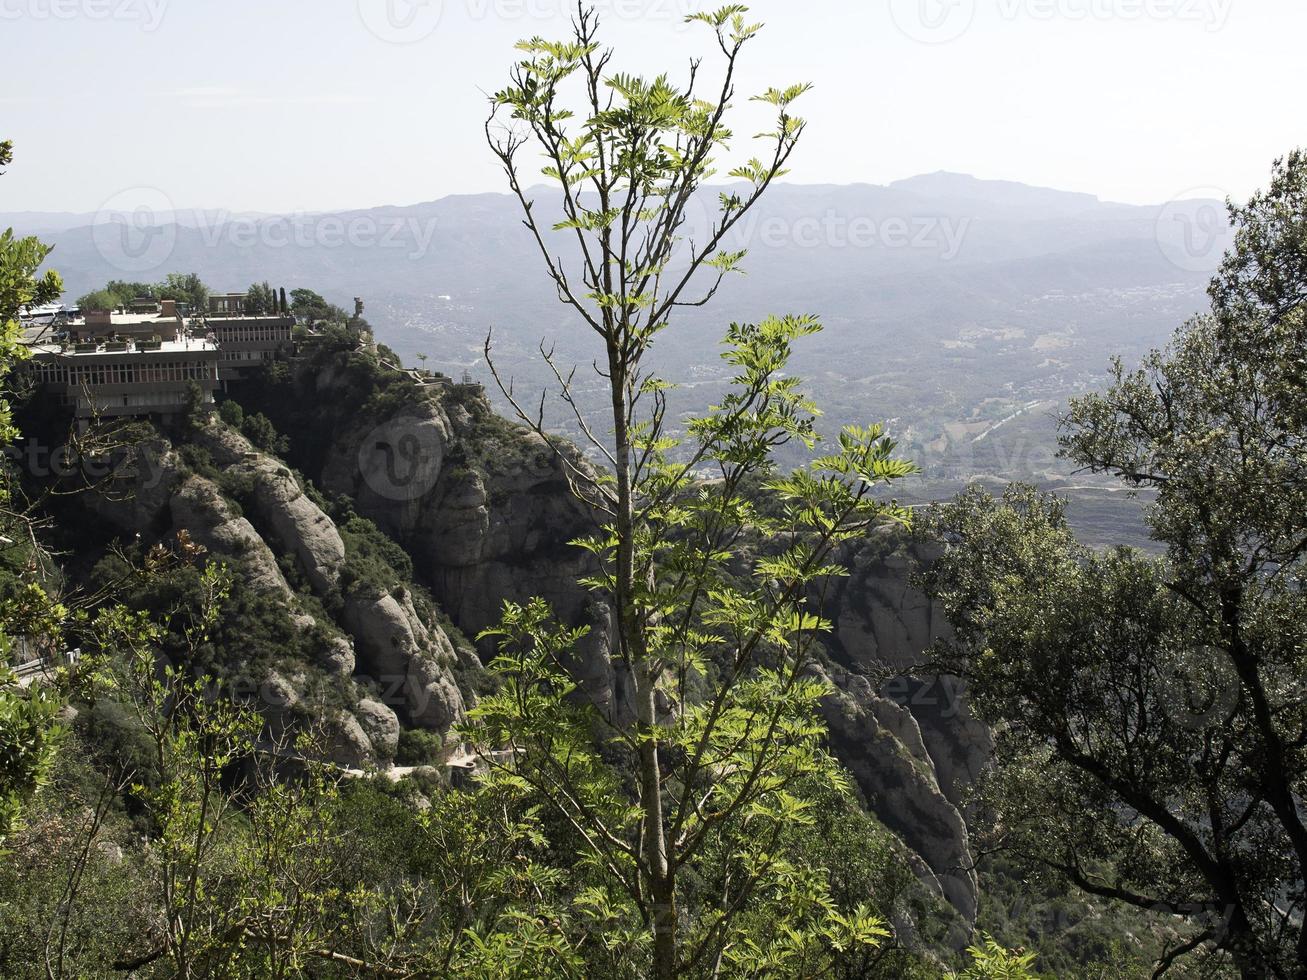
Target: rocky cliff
[(907, 735), (480, 505), (483, 513), (394, 662)]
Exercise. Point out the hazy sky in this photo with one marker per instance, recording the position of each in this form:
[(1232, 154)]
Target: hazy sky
[(284, 105)]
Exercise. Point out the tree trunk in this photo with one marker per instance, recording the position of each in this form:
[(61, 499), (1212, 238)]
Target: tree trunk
[(657, 868)]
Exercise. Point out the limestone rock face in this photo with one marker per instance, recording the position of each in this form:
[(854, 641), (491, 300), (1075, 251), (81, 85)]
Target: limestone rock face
[(381, 725), (911, 741), (198, 507), (409, 662), (389, 465), (278, 697), (347, 743), (881, 744), (392, 645), (340, 657), (137, 496), (884, 625), (287, 515), (484, 510)]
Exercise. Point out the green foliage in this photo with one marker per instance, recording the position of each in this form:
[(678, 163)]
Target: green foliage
[(311, 309), (990, 961), (418, 747), (254, 635), (100, 300), (259, 430), (1264, 277), (184, 287), (687, 816), (231, 414), (77, 836), (374, 563), (27, 730), (1158, 760), (124, 292), (261, 299), (256, 427), (643, 146), (28, 735), (238, 888), (734, 759), (864, 862)]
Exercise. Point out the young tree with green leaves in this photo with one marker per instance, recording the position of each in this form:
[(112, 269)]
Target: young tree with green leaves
[(714, 637), (241, 870), (990, 961), (1153, 711)]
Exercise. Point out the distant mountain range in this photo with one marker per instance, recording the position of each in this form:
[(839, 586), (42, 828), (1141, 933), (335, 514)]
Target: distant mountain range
[(962, 311)]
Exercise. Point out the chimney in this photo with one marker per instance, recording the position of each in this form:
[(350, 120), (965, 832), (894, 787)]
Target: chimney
[(168, 310)]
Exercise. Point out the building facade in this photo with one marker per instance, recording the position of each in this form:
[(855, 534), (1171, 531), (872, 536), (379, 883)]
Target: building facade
[(245, 342), (120, 378), (226, 304)]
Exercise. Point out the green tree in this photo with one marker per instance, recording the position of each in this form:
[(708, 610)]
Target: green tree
[(101, 300), (258, 428), (125, 292), (260, 299), (699, 784), (1152, 711), (1264, 276), (185, 288), (232, 413), (239, 868), (311, 309), (27, 730)]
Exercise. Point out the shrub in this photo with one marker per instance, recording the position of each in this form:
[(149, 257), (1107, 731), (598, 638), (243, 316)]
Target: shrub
[(260, 431), (418, 747), (231, 413)]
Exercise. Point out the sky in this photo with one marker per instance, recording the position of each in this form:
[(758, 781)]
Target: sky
[(301, 105)]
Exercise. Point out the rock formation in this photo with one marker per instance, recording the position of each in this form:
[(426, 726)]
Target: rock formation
[(408, 659), (483, 510)]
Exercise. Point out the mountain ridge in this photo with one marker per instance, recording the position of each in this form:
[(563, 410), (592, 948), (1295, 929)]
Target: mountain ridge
[(939, 183), (964, 299)]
